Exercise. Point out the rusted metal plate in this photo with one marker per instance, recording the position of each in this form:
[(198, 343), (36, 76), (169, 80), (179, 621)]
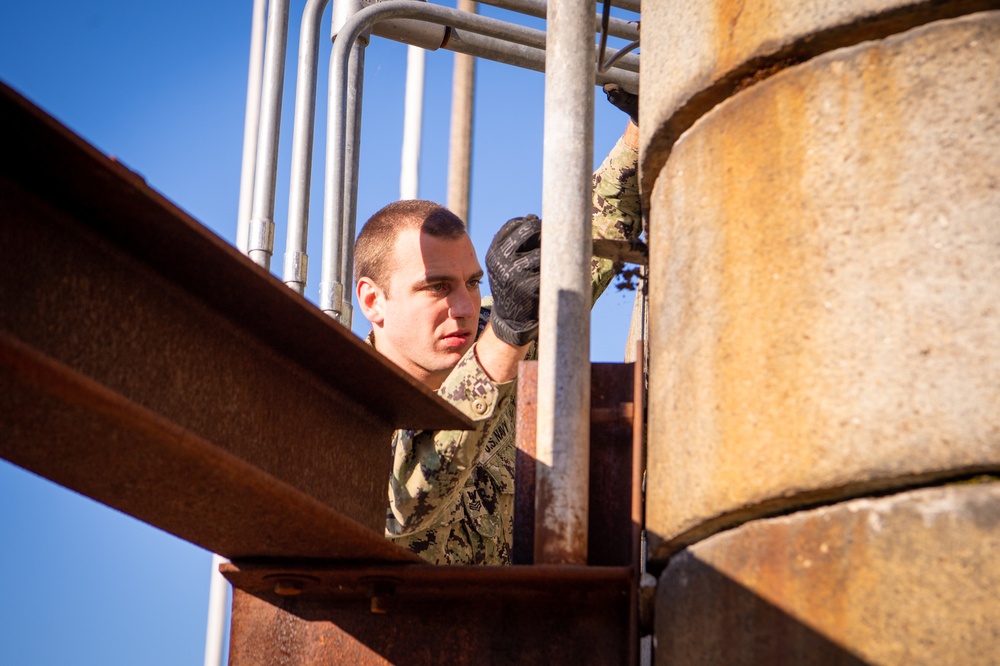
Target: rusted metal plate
[(615, 510), (523, 551), (429, 615), (84, 436), (610, 537), (125, 294)]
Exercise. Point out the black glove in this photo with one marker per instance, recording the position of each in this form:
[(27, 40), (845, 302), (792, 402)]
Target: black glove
[(623, 100), (514, 263)]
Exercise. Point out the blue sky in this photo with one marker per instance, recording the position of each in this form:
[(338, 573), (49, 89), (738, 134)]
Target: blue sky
[(162, 86)]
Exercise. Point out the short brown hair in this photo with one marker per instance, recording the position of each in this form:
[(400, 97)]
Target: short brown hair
[(374, 246)]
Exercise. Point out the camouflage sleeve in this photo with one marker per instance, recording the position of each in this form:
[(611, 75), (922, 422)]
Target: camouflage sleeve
[(429, 468), (617, 209)]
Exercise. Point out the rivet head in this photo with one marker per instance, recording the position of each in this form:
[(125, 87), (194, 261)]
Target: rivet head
[(383, 591), (380, 605), (288, 587)]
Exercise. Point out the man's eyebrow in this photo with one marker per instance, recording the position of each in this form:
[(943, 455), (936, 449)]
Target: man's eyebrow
[(434, 279)]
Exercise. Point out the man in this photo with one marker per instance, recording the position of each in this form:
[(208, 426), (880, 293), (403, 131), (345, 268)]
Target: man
[(451, 492)]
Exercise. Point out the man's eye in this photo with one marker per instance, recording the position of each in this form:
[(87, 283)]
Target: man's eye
[(437, 288), (474, 284)]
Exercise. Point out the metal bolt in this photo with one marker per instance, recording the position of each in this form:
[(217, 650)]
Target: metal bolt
[(288, 587), (382, 593)]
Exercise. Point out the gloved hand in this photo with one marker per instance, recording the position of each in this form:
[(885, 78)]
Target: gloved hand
[(623, 100), (514, 263)]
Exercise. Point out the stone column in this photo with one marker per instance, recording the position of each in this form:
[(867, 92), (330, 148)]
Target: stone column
[(824, 190)]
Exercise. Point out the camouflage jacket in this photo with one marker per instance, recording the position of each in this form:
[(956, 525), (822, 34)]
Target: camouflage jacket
[(451, 493)]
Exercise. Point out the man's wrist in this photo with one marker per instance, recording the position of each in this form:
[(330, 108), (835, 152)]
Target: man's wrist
[(497, 358), (631, 136)]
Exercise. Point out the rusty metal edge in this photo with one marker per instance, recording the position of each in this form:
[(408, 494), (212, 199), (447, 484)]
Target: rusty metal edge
[(428, 614), (451, 581), (46, 158), (236, 484)]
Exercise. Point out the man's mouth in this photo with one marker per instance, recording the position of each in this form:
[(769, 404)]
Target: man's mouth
[(456, 339)]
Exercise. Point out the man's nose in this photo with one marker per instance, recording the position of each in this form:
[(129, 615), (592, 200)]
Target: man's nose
[(460, 304)]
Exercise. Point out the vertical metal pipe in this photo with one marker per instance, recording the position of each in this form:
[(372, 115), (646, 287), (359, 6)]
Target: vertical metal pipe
[(296, 260), (216, 627), (261, 236), (250, 123), (331, 289), (216, 614), (342, 137), (352, 158), (413, 112), (564, 333), (463, 91)]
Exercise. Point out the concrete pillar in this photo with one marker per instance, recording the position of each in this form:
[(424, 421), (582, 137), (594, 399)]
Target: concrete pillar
[(824, 190), (909, 578)]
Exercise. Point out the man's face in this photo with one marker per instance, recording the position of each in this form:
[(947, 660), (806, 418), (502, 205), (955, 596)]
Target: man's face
[(428, 320)]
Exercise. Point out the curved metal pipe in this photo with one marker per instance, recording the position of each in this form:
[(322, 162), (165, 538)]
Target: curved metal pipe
[(261, 237), (251, 123), (296, 259), (334, 293)]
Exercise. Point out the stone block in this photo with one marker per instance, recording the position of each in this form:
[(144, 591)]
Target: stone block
[(906, 579), (824, 300), (698, 53)]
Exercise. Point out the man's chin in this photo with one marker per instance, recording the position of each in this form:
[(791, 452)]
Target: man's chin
[(450, 357)]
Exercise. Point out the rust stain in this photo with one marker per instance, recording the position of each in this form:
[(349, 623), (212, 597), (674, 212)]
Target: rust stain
[(763, 355), (738, 22)]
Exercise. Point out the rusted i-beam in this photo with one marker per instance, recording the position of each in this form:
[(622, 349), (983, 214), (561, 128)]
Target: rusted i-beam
[(151, 366)]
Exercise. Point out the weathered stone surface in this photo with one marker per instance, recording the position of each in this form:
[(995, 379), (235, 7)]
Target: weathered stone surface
[(697, 53), (907, 579), (825, 262)]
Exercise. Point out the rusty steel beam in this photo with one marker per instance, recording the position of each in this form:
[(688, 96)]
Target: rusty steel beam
[(151, 366), (422, 614), (86, 437)]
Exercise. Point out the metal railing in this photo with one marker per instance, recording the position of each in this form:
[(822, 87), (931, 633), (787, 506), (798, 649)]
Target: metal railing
[(477, 36)]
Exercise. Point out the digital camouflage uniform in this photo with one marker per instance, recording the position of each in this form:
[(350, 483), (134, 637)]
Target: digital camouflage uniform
[(451, 493)]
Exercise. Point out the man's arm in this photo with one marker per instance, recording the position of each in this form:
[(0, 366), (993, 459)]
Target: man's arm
[(430, 468), (617, 208)]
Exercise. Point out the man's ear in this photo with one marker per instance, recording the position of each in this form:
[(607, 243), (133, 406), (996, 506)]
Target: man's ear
[(370, 300)]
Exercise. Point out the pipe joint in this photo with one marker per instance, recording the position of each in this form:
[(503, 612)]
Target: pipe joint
[(261, 235), (331, 298), (296, 270)]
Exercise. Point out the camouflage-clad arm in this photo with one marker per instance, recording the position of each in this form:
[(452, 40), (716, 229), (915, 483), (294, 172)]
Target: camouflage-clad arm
[(617, 209), (429, 468)]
